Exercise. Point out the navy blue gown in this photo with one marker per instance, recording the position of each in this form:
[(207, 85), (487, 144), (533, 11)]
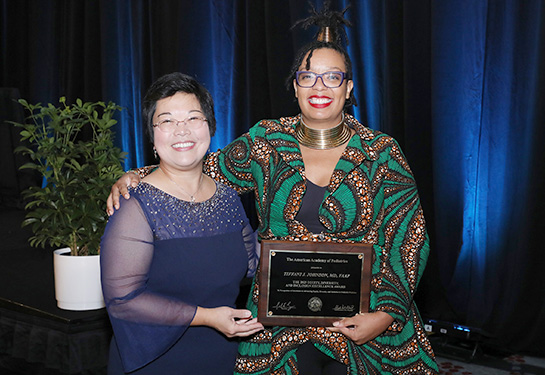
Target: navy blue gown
[(161, 257)]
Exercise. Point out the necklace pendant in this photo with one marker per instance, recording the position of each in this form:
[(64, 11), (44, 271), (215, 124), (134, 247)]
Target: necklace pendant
[(191, 197)]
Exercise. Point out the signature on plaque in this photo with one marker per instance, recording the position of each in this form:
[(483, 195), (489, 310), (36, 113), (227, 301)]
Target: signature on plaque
[(284, 306), (349, 308)]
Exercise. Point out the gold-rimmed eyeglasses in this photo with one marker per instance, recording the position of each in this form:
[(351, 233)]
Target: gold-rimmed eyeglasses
[(168, 125)]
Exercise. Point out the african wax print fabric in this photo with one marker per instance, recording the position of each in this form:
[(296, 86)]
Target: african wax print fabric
[(372, 197)]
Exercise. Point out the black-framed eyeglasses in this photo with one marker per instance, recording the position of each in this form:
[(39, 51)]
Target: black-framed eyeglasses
[(329, 79), (168, 125)]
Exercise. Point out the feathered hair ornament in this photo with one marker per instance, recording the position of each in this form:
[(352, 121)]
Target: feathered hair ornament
[(330, 23)]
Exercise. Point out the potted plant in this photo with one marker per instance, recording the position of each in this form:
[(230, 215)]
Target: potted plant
[(71, 147)]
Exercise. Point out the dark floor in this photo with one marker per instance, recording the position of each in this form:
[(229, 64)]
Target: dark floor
[(36, 337)]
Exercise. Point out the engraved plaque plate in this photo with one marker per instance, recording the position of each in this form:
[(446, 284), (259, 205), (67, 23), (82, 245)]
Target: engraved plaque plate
[(313, 283)]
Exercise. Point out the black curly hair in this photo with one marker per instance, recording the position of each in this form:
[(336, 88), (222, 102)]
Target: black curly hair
[(335, 21)]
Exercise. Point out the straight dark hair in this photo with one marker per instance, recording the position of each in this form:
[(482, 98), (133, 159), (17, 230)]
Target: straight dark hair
[(170, 84)]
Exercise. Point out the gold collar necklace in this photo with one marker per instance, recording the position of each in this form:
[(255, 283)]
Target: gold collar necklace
[(322, 139)]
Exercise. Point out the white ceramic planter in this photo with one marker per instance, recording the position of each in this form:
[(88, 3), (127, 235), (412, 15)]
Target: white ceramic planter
[(77, 281)]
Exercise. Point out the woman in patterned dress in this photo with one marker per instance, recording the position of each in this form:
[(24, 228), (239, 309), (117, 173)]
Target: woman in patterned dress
[(323, 176)]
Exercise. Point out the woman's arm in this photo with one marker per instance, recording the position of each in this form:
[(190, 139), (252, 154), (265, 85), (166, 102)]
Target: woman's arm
[(127, 249), (402, 256), (405, 247)]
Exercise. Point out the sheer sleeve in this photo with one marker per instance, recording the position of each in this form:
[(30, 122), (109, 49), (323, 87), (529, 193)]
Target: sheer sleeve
[(252, 248), (145, 325)]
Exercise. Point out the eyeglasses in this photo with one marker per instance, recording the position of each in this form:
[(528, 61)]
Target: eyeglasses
[(329, 79), (168, 125)]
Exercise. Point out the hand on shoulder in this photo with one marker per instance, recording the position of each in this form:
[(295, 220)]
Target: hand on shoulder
[(121, 188)]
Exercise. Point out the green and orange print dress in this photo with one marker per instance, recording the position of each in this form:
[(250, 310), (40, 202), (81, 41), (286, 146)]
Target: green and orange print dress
[(372, 197)]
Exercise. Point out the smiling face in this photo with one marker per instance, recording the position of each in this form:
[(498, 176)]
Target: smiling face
[(321, 106), (183, 148)]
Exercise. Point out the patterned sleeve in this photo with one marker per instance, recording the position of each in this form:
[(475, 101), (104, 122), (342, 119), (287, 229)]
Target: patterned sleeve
[(232, 165), (144, 171), (406, 244)]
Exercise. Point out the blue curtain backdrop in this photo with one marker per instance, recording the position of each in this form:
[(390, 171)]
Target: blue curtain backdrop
[(487, 119), (458, 83)]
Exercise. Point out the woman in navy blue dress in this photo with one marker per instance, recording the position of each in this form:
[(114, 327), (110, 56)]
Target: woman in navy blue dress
[(174, 254)]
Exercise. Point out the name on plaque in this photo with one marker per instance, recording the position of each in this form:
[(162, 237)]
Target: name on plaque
[(313, 283)]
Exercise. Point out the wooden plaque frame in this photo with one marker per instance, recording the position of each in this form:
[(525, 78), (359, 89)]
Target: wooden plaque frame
[(313, 294)]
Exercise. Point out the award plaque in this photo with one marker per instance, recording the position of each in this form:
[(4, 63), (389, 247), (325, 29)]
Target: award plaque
[(313, 283)]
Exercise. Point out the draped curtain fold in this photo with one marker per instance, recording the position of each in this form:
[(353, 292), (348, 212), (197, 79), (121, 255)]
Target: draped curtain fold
[(458, 83), (487, 86)]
